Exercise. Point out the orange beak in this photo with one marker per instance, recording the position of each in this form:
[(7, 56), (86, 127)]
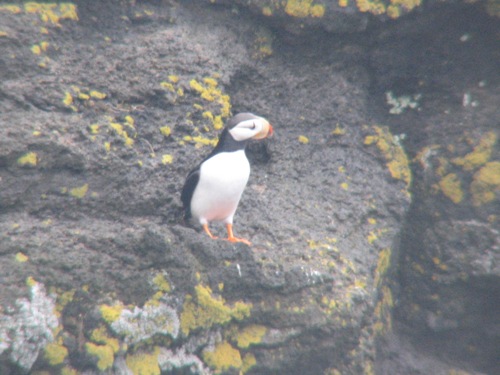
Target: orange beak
[(267, 131)]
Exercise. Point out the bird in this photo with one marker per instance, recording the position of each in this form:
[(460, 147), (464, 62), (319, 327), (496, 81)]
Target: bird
[(212, 190)]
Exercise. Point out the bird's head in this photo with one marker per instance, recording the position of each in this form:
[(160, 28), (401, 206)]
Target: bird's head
[(246, 126)]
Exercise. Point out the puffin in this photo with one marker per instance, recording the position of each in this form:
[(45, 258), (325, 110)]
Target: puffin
[(213, 189)]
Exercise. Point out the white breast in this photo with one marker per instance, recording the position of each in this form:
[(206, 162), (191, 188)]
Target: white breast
[(223, 178)]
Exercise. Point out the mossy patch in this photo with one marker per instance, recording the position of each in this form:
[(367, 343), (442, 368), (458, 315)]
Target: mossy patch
[(205, 310)]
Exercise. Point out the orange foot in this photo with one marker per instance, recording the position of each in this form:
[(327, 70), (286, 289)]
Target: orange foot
[(232, 238), (207, 231)]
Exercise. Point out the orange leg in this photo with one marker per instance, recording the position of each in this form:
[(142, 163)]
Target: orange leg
[(207, 231), (232, 238)]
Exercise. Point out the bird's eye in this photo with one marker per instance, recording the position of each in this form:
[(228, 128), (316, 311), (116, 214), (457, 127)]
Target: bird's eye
[(253, 126)]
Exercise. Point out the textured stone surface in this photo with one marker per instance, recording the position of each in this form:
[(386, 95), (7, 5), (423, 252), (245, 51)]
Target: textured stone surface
[(105, 107)]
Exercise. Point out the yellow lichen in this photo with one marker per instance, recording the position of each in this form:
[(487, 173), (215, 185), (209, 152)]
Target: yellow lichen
[(344, 185), (303, 139), (486, 183), (104, 353), (205, 310), (21, 258), (30, 159), (79, 192), (100, 336), (173, 78), (168, 86), (52, 12), (110, 313), (166, 131), (118, 128), (343, 3), (223, 357), (83, 96), (14, 9), (68, 99), (94, 128), (211, 93), (304, 8), (395, 156), (36, 49), (97, 95), (480, 155), (372, 236), (267, 11), (383, 264), (451, 186), (383, 312), (143, 363), (162, 283), (167, 159), (250, 335), (30, 281), (66, 370), (55, 354), (249, 361)]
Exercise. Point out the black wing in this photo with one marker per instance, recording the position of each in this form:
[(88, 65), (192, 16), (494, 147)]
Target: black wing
[(188, 191)]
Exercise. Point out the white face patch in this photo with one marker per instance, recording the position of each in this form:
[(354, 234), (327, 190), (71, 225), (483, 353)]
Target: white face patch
[(257, 128)]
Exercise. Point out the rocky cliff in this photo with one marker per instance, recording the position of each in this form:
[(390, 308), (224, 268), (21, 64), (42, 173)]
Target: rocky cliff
[(373, 211)]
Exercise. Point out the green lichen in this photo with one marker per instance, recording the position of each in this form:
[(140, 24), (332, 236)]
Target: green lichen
[(397, 160), (451, 186), (29, 159), (144, 363), (205, 310), (223, 357), (103, 353), (486, 184), (250, 335), (55, 354)]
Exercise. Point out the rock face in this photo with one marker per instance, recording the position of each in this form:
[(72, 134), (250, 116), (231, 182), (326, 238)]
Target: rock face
[(378, 195)]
